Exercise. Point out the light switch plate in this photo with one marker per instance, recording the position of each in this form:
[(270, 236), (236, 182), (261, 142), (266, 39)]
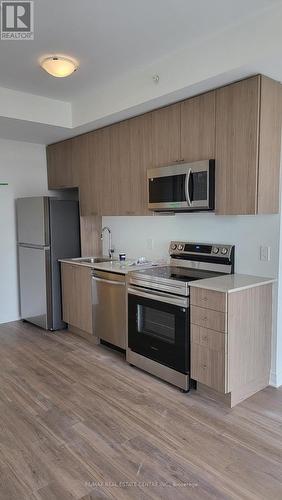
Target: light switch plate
[(265, 253)]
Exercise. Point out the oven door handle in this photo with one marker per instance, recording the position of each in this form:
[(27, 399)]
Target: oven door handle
[(187, 184), (160, 297)]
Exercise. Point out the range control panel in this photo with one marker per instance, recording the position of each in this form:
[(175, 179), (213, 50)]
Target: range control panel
[(186, 248)]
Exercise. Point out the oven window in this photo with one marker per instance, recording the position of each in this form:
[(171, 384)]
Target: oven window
[(200, 185), (156, 323)]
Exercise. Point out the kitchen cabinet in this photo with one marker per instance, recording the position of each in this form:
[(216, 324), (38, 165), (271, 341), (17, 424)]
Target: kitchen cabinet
[(60, 167), (120, 174), (166, 135), (135, 189), (81, 165), (101, 179), (248, 135), (198, 128), (238, 125), (231, 340), (184, 131), (77, 297), (119, 158)]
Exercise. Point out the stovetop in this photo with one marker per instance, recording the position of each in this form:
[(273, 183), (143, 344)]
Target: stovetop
[(175, 273)]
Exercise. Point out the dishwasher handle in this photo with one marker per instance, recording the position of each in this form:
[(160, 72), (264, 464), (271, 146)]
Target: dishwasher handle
[(110, 282)]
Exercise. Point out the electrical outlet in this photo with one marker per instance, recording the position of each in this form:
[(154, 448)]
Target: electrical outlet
[(265, 253), (150, 243)]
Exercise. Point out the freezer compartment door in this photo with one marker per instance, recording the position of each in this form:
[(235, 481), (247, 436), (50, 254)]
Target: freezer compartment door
[(35, 286), (33, 221)]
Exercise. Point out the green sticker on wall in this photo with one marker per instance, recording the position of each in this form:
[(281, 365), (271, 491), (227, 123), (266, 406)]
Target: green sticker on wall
[(3, 183)]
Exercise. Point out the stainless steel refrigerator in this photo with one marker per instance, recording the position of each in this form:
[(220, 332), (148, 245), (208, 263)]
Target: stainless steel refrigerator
[(47, 230)]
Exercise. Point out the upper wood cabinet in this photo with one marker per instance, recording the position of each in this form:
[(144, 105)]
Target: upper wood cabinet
[(238, 125), (100, 180), (103, 178), (120, 174), (61, 172), (198, 128), (140, 159), (166, 135), (248, 134), (119, 158), (81, 166)]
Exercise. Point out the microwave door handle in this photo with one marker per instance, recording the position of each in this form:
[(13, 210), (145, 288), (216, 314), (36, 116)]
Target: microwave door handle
[(187, 183)]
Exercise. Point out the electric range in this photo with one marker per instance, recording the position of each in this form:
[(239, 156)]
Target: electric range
[(159, 312)]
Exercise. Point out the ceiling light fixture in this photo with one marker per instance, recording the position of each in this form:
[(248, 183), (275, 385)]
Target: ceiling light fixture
[(58, 66)]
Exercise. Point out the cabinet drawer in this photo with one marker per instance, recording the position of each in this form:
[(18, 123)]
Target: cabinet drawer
[(208, 367), (208, 318), (208, 338), (209, 299)]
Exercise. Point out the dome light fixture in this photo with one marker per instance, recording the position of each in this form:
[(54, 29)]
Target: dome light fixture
[(58, 66)]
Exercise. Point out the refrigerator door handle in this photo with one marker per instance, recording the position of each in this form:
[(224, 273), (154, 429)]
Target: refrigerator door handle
[(49, 305), (36, 247)]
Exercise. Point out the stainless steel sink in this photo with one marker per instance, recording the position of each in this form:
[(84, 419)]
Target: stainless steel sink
[(95, 260)]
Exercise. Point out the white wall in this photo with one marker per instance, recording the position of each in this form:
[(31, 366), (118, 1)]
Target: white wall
[(23, 166), (248, 233), (133, 235)]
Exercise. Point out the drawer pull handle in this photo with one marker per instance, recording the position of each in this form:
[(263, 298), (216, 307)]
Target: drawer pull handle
[(204, 366), (205, 339), (204, 318), (205, 298)]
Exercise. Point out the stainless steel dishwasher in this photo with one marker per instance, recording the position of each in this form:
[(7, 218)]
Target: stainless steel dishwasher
[(109, 307)]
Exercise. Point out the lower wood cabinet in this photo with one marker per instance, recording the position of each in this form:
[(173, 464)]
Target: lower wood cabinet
[(77, 297), (231, 340), (209, 367)]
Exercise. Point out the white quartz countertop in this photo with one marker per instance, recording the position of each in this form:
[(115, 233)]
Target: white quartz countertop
[(231, 282), (114, 266)]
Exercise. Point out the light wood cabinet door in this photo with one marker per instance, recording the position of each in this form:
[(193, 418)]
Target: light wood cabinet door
[(76, 296), (198, 128), (81, 165), (237, 127), (207, 318), (269, 146), (166, 135), (135, 188), (120, 182), (209, 299), (83, 298), (69, 303), (103, 194), (208, 367), (60, 166)]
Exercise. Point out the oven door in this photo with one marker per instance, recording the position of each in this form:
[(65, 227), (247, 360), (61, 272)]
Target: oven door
[(158, 327)]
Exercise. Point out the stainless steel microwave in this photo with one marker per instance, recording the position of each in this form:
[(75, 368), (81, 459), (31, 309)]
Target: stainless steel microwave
[(182, 187)]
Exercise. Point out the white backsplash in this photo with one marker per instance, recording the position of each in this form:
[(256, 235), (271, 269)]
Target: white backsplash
[(135, 235)]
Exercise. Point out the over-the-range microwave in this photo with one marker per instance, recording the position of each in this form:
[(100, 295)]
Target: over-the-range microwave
[(182, 187)]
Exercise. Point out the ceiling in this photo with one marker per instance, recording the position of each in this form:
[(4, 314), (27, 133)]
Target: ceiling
[(194, 45), (112, 37)]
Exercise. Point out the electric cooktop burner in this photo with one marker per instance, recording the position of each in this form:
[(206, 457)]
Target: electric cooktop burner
[(177, 273)]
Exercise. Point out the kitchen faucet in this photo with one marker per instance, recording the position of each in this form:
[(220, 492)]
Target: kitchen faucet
[(110, 249)]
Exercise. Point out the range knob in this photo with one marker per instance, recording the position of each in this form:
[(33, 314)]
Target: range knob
[(173, 246), (180, 247), (224, 251), (215, 250)]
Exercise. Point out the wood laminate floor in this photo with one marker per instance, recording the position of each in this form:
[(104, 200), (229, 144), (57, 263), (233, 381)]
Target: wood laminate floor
[(78, 423)]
